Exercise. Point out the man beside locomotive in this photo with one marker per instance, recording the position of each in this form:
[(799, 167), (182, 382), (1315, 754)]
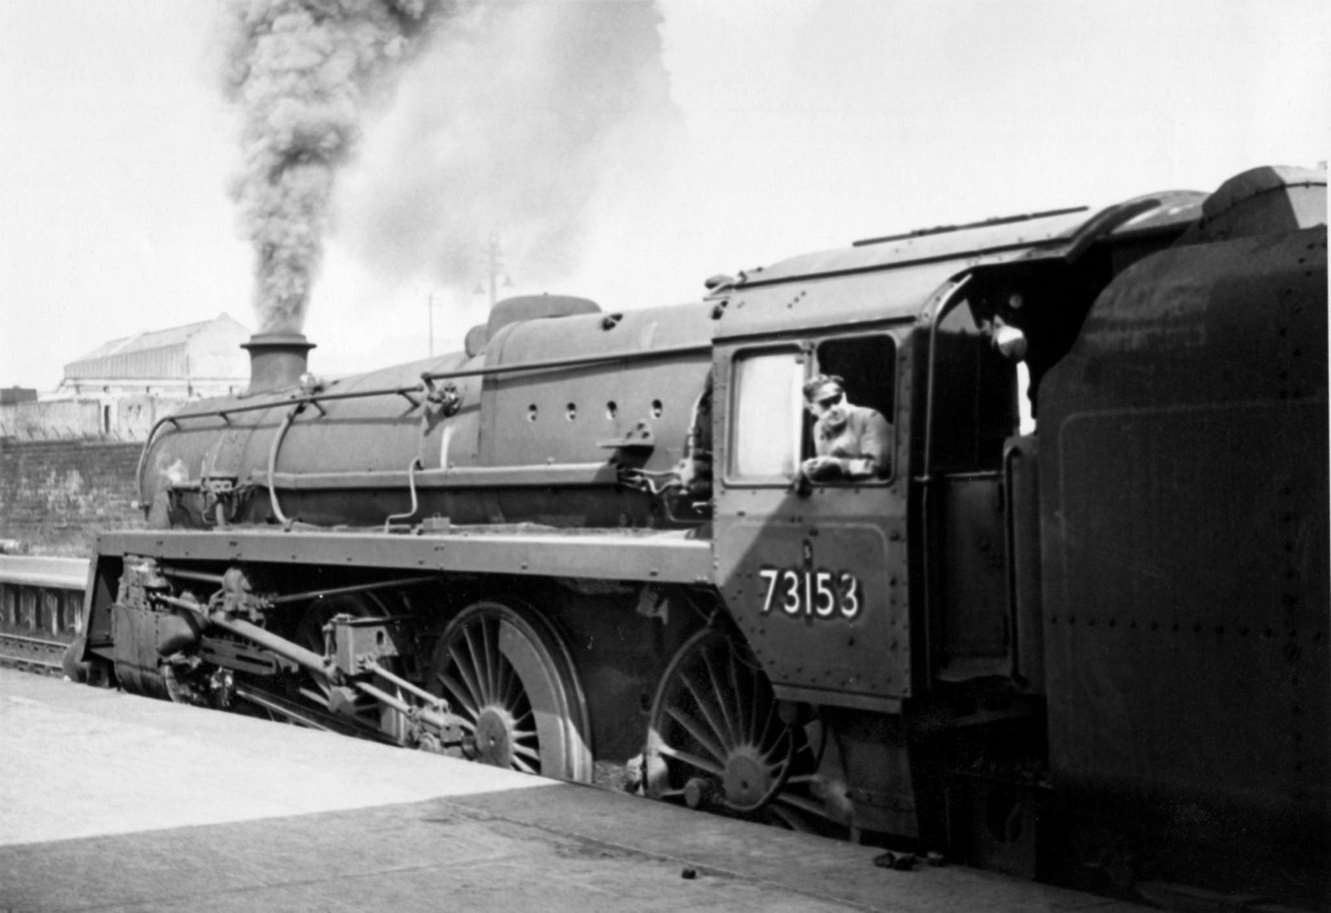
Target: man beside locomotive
[(851, 442)]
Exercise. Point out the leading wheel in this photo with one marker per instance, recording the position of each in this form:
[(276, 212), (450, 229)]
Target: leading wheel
[(503, 670)]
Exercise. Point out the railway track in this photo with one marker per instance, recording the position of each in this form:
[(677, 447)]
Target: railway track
[(41, 609)]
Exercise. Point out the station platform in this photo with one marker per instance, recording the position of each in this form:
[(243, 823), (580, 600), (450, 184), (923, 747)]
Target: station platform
[(116, 803)]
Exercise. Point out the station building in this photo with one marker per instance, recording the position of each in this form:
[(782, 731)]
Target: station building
[(122, 387)]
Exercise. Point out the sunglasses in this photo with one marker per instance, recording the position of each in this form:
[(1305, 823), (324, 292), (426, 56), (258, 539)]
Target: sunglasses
[(827, 402)]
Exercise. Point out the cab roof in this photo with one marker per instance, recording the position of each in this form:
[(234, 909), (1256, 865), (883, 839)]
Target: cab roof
[(893, 277), (1052, 233)]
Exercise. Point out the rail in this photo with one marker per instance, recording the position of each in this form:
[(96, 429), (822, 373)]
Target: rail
[(41, 609)]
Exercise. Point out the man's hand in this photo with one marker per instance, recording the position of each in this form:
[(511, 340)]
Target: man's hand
[(821, 468)]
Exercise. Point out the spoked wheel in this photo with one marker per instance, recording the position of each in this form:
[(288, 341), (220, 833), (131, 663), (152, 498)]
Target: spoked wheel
[(505, 672), (716, 739)]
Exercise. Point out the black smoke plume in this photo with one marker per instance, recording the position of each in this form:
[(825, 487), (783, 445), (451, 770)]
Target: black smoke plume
[(303, 73)]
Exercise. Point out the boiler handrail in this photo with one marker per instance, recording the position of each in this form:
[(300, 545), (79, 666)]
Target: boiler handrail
[(315, 398)]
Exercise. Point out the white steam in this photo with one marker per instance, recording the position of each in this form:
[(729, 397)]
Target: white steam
[(523, 119)]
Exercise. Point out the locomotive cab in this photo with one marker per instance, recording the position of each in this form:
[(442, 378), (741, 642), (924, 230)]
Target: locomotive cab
[(904, 611)]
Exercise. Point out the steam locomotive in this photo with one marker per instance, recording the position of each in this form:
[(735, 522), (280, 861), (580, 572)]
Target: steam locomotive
[(1078, 630)]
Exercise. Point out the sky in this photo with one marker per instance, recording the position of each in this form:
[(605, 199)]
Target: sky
[(618, 150)]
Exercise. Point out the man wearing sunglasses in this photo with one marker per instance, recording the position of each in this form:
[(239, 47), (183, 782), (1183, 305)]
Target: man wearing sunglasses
[(851, 441)]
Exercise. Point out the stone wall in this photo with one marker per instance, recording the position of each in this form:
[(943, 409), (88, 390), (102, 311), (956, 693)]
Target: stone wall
[(51, 420), (56, 496), (113, 416)]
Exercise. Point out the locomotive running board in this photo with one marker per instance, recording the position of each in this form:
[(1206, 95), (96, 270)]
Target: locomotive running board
[(657, 556)]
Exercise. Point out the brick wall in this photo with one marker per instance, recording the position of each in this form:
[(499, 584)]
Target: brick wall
[(56, 496)]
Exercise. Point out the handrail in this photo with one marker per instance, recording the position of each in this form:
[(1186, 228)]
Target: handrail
[(515, 476), (307, 399), (573, 361), (1011, 454), (315, 398), (415, 501), (272, 463)]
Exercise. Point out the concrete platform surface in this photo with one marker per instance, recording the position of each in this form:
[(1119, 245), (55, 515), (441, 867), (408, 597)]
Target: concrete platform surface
[(112, 802)]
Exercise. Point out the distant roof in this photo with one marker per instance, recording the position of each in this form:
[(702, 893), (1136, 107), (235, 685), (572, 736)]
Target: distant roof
[(155, 339), (183, 352)]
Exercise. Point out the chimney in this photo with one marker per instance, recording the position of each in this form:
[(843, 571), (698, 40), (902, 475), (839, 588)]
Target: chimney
[(277, 360)]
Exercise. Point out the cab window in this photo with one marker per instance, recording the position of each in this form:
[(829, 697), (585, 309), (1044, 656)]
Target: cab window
[(867, 368), (768, 405)]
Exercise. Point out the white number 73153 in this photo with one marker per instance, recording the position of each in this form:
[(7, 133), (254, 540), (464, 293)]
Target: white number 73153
[(819, 594)]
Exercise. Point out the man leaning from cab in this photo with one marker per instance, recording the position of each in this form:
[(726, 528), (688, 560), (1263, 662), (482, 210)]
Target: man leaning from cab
[(851, 442)]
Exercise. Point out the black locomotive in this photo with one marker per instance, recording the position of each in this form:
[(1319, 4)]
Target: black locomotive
[(1078, 630)]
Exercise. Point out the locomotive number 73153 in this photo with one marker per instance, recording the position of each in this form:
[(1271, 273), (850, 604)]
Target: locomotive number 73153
[(815, 594)]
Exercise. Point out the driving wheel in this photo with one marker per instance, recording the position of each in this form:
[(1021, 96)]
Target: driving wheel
[(715, 736), (505, 672), (718, 739)]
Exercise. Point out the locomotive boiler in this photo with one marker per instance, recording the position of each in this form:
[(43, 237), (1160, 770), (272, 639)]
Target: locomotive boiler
[(1078, 630)]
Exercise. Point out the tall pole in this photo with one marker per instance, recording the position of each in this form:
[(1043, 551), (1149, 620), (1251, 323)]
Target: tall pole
[(494, 265), (429, 307), (494, 270)]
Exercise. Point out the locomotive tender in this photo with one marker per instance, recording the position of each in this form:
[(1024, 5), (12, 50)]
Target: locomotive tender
[(1095, 650)]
